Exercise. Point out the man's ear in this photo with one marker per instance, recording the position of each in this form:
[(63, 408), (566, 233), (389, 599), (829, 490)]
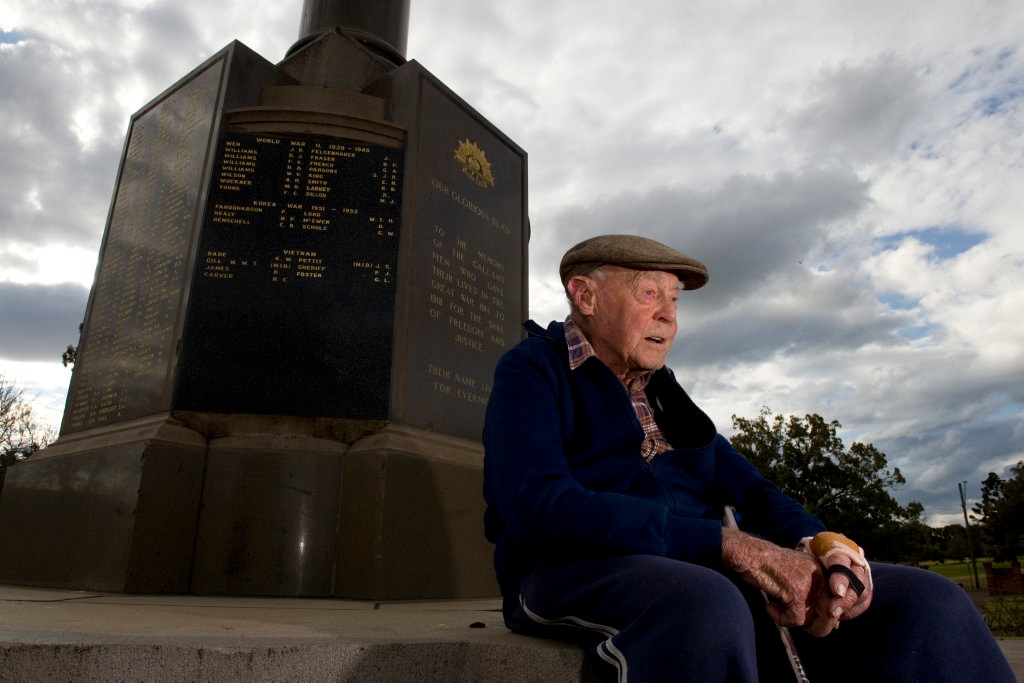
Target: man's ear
[(581, 293)]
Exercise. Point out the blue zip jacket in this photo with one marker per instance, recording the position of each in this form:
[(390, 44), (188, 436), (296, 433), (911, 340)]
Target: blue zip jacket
[(564, 479)]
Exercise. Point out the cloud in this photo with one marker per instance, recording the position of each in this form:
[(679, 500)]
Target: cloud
[(861, 112), (39, 320), (749, 231), (37, 203)]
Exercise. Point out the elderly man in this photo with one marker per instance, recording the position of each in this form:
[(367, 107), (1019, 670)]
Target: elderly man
[(605, 488)]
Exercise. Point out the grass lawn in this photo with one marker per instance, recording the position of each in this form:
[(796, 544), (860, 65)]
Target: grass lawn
[(959, 572), (1003, 613)]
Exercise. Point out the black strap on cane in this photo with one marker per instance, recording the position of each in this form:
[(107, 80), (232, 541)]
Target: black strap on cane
[(856, 584)]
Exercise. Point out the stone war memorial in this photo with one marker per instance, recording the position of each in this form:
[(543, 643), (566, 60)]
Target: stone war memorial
[(308, 272)]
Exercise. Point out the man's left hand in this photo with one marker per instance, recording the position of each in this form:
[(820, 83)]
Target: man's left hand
[(848, 590)]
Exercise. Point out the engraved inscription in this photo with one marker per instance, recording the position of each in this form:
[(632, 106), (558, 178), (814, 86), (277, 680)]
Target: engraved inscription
[(129, 333), (452, 384), (469, 205), (467, 292), (298, 188), (292, 309), (467, 296)]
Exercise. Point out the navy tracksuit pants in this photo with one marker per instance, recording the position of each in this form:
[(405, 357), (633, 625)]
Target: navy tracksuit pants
[(647, 618)]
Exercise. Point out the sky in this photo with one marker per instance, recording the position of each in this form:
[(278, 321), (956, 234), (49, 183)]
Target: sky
[(852, 174)]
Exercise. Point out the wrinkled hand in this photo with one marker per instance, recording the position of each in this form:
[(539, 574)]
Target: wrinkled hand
[(791, 580), (794, 583)]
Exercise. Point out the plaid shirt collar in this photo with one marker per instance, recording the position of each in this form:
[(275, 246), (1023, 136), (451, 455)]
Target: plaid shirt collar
[(579, 346)]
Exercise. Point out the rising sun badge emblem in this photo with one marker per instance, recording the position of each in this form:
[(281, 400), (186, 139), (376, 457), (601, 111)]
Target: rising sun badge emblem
[(474, 163)]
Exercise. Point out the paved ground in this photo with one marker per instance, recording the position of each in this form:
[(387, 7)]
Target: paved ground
[(57, 635), (1014, 651), (71, 635)]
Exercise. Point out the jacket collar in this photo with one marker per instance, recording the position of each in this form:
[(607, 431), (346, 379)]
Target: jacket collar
[(555, 331)]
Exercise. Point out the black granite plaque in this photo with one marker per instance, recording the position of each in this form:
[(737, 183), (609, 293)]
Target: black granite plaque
[(130, 328), (291, 310), (466, 269)]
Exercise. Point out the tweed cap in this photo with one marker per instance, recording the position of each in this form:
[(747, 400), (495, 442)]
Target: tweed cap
[(631, 251)]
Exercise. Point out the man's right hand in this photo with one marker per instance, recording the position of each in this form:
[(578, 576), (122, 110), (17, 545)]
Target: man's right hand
[(792, 580)]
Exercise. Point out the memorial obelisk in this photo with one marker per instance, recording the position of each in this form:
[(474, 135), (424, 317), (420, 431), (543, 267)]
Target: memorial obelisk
[(308, 272)]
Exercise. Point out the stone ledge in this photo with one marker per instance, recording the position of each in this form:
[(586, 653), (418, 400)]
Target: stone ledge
[(48, 634), (501, 659), (73, 635)]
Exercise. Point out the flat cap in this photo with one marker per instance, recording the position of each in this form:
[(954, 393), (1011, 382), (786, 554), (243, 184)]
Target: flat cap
[(631, 251)]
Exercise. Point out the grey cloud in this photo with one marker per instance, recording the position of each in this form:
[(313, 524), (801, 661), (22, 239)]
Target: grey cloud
[(860, 112), (745, 231), (163, 29), (19, 263), (758, 330), (934, 460), (50, 188), (39, 321)]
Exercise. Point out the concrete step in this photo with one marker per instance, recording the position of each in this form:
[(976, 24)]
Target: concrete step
[(57, 635), (70, 635)]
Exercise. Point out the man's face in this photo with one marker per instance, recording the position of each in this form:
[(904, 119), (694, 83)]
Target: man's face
[(632, 321)]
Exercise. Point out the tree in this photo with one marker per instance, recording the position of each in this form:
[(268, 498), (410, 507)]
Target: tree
[(21, 433), (1000, 513), (846, 489), (70, 354), (952, 540)]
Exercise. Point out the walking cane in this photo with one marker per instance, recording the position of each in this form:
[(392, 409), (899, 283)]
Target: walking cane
[(729, 522)]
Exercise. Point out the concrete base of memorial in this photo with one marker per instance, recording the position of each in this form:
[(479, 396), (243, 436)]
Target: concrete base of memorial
[(111, 510), (153, 506)]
